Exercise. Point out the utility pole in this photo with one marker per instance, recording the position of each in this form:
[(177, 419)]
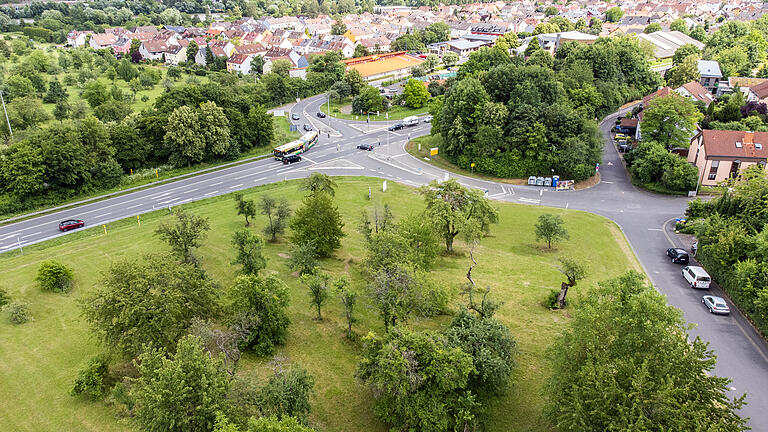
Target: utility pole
[(6, 114)]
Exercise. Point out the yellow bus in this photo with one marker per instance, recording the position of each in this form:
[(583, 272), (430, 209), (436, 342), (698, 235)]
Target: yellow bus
[(295, 147)]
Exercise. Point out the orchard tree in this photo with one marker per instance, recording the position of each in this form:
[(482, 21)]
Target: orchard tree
[(185, 235), (419, 381), (303, 258), (319, 289), (551, 229), (574, 271), (318, 221), (415, 94), (670, 120), (491, 346), (179, 392), (148, 303), (348, 297), (258, 313), (245, 207), (626, 361), (249, 249), (456, 209), (277, 213), (286, 394)]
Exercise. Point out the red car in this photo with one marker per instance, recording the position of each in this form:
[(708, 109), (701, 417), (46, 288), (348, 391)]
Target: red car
[(71, 224)]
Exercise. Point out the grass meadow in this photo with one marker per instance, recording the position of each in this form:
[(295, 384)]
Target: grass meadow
[(39, 360)]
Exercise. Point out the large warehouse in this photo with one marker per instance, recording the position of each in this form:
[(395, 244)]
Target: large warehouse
[(395, 65)]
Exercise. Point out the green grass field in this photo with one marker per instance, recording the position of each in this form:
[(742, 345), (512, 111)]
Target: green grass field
[(39, 360)]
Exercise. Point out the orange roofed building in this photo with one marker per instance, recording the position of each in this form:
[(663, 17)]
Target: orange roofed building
[(723, 154), (396, 64)]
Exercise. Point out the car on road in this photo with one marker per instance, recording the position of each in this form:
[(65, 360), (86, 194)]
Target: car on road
[(716, 305), (678, 255), (621, 136), (428, 119), (291, 158), (321, 114), (368, 147), (396, 126), (71, 224), (696, 277), (295, 116), (307, 127)]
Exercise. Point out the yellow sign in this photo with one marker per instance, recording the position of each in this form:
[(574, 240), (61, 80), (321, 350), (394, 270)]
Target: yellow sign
[(433, 151), (472, 165)]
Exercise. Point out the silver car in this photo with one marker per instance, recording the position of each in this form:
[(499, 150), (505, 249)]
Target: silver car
[(715, 305)]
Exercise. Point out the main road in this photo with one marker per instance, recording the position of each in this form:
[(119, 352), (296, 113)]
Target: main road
[(646, 219)]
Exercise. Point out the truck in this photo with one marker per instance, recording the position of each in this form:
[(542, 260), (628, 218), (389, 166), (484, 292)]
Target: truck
[(411, 121)]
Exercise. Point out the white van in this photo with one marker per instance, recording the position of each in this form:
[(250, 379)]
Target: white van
[(697, 277)]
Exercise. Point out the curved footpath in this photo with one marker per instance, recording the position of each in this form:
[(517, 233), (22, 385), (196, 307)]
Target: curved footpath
[(646, 219)]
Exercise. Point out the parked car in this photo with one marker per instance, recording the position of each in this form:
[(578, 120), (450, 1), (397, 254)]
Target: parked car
[(295, 116), (368, 147), (621, 136), (289, 159), (716, 305), (396, 126), (307, 127), (428, 119), (678, 255), (697, 277), (623, 147), (71, 224), (321, 114)]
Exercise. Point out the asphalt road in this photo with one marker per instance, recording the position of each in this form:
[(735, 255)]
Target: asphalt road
[(646, 219)]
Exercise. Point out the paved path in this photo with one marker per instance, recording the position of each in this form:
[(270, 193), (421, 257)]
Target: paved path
[(645, 218)]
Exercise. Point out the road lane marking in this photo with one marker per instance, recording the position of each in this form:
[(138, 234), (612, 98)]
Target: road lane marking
[(260, 179), (211, 193), (655, 229), (102, 215), (243, 176), (189, 191), (236, 186), (310, 160), (169, 201), (30, 235), (160, 196), (133, 206), (215, 184), (529, 200)]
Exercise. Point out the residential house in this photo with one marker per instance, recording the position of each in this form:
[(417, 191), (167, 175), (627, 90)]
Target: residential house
[(122, 47), (77, 38), (220, 48), (240, 63), (200, 55), (153, 49), (723, 154), (758, 93), (102, 40), (463, 47), (696, 92), (710, 74), (254, 49), (175, 54)]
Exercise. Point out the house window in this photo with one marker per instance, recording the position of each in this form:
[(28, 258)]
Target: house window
[(713, 170), (735, 169)]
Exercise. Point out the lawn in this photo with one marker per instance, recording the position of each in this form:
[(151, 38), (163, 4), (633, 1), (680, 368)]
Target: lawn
[(395, 113), (40, 359)]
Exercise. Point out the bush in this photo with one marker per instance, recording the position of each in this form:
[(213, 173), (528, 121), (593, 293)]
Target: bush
[(551, 301), (18, 313), (54, 276), (4, 298), (90, 379)]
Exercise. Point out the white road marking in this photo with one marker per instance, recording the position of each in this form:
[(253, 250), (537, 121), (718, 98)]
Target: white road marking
[(169, 201), (655, 229), (242, 177), (189, 191), (160, 196), (236, 186), (310, 160), (528, 200), (215, 184), (211, 193), (133, 206), (566, 205), (30, 235), (607, 182), (260, 179), (102, 215)]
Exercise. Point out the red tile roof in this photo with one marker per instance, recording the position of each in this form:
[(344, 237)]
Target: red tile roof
[(664, 91), (735, 144), (760, 90)]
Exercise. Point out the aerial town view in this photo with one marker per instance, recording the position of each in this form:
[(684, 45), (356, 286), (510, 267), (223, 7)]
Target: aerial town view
[(383, 215)]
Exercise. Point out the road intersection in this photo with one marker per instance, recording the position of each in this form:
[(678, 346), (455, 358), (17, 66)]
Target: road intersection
[(646, 219)]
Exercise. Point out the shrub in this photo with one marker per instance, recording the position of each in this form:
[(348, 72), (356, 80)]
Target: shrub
[(4, 298), (551, 301), (18, 313), (90, 379), (54, 276)]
